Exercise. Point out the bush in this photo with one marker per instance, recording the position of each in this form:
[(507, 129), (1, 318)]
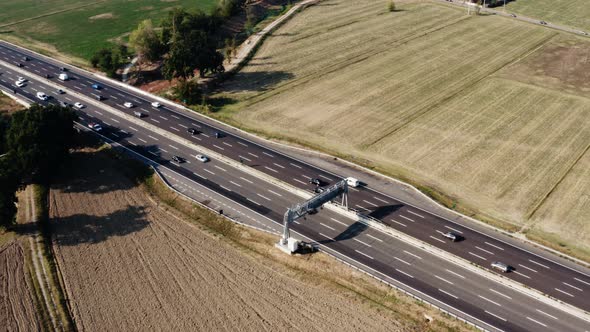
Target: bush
[(109, 59), (188, 92), (227, 8), (391, 6)]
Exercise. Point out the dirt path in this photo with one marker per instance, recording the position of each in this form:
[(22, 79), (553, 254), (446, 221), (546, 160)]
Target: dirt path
[(250, 44), (39, 265), (17, 309), (129, 265)]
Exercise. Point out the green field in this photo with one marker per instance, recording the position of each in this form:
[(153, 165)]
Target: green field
[(80, 27), (573, 13), (490, 111)]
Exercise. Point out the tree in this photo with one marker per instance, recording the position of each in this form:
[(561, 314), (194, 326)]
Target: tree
[(38, 140), (108, 60), (146, 42), (35, 142), (227, 8), (191, 46), (189, 92), (8, 188), (391, 6), (4, 123)]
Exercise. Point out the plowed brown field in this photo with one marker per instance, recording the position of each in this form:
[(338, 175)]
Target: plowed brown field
[(17, 309), (128, 265)]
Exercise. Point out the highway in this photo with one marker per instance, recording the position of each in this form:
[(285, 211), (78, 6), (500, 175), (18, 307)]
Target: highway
[(476, 297)]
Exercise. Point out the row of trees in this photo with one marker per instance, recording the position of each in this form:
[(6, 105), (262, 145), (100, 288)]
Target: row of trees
[(185, 41), (33, 144)]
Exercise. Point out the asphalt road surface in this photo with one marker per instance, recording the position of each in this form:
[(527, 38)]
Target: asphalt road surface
[(468, 295)]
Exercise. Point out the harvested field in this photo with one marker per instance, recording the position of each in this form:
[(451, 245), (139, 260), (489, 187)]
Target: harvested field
[(491, 112), (17, 308), (129, 265)]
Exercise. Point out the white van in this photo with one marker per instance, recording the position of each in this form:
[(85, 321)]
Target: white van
[(63, 77), (353, 182)]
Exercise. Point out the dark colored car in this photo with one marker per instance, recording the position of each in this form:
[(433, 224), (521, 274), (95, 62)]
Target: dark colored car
[(48, 76), (18, 64), (99, 97), (60, 91), (192, 131), (64, 104), (219, 134), (63, 69), (315, 181), (26, 58), (178, 159), (453, 236), (96, 86)]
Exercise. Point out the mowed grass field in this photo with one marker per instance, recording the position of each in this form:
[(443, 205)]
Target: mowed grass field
[(574, 13), (484, 109), (81, 27)]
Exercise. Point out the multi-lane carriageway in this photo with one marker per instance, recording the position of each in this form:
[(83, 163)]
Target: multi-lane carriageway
[(537, 272)]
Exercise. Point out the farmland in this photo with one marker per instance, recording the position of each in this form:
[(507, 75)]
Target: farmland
[(18, 312), (493, 120), (81, 27), (128, 263), (573, 13)]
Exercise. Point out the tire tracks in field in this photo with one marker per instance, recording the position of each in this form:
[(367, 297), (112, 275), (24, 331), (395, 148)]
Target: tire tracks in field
[(551, 190), (341, 65), (51, 13), (427, 110)]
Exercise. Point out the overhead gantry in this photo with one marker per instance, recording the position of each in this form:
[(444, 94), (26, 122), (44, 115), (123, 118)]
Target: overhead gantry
[(290, 245)]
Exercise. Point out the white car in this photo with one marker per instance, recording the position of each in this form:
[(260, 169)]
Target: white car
[(79, 105), (94, 126), (156, 104), (21, 79), (128, 104), (20, 84), (202, 158), (42, 95)]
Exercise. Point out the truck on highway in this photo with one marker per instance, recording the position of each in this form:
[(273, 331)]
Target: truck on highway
[(353, 182), (63, 77)]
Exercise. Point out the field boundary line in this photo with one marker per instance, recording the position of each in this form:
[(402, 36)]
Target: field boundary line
[(38, 264), (445, 100), (50, 14), (565, 174)]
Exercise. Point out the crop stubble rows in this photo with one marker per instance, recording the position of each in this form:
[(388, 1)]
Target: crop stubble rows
[(17, 308)]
